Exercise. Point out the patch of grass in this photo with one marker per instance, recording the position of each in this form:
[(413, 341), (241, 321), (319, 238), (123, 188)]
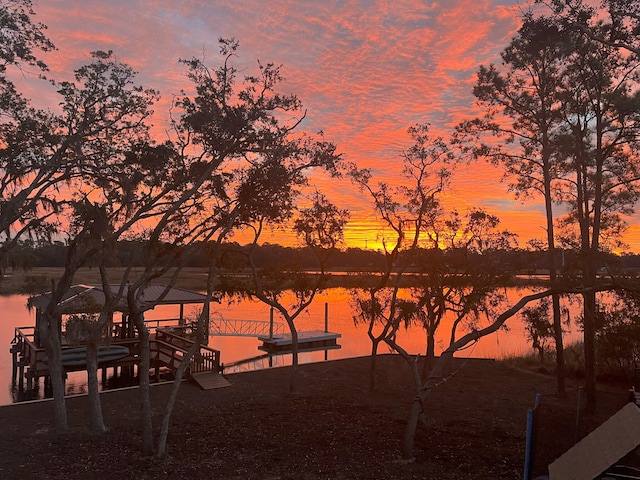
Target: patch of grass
[(527, 361), (573, 358), (34, 284)]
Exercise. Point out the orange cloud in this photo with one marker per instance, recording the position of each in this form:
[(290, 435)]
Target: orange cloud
[(365, 71)]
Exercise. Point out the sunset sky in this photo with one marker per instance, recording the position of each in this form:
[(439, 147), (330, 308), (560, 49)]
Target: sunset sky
[(364, 70)]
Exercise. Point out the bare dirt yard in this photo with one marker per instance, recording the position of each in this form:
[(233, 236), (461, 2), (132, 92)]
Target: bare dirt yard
[(335, 428)]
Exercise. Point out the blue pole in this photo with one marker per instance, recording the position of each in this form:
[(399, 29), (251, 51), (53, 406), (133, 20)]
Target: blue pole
[(528, 454)]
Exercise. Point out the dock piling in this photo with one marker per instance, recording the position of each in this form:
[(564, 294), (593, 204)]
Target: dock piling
[(271, 324), (14, 363), (326, 317)]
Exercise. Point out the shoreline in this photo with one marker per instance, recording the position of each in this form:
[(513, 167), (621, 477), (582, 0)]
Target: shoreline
[(38, 279), (185, 380)]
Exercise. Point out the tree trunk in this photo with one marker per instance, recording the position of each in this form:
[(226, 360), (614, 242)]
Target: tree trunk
[(293, 384), (410, 432), (53, 349), (373, 365), (144, 386), (95, 407), (551, 251), (440, 366), (58, 378), (589, 327), (430, 354), (557, 331), (161, 449)]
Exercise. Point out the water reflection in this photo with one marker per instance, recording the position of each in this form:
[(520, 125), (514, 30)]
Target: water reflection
[(242, 353)]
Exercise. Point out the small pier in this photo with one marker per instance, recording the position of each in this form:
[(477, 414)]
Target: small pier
[(170, 341), (168, 347), (307, 340), (168, 344)]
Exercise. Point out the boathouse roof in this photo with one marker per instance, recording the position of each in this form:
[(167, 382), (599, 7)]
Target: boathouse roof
[(91, 298)]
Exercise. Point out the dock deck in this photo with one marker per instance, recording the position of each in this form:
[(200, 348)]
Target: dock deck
[(167, 348), (306, 340)]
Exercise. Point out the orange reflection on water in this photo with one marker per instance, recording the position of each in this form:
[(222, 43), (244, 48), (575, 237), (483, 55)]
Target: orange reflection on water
[(353, 342)]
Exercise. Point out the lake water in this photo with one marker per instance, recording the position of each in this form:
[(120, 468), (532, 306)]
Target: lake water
[(354, 341)]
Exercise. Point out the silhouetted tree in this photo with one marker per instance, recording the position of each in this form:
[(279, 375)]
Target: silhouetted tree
[(619, 21), (522, 114), (574, 106), (598, 154), (31, 161), (240, 165), (442, 368), (409, 212), (291, 291), (449, 280), (102, 115)]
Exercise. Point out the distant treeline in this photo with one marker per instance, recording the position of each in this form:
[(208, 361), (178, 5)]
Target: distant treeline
[(27, 257)]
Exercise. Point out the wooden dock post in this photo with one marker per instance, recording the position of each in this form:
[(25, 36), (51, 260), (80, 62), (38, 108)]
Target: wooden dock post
[(326, 316), (326, 326), (21, 375), (271, 324), (30, 380), (14, 357)]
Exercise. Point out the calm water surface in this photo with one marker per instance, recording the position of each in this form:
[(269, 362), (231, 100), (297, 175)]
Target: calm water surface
[(244, 350)]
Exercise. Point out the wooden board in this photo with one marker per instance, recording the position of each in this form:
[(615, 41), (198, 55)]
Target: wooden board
[(210, 380), (601, 449)]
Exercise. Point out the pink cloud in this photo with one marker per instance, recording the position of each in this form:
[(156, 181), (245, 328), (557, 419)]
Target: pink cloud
[(365, 70)]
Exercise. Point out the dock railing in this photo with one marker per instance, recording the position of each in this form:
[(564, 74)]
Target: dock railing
[(26, 355), (171, 345), (167, 347), (207, 360), (156, 323), (244, 328)]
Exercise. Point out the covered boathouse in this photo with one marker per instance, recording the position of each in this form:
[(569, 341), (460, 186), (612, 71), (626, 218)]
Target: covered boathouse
[(169, 341)]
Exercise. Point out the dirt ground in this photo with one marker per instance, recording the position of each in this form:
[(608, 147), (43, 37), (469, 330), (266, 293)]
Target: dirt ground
[(335, 428)]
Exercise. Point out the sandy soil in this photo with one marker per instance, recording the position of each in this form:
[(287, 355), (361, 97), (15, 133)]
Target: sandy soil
[(335, 428)]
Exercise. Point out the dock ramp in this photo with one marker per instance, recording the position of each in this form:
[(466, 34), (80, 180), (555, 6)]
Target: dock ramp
[(210, 380)]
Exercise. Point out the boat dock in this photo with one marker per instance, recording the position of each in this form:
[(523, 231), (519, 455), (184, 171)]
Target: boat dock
[(307, 340), (167, 346), (170, 341)]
